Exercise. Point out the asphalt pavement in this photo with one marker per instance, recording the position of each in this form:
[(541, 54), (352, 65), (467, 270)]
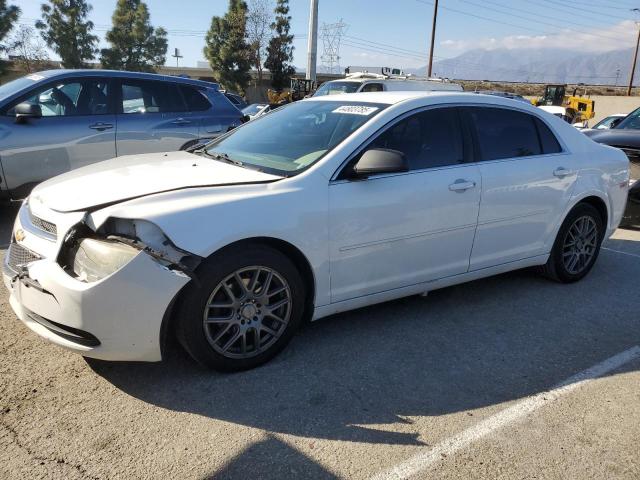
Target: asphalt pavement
[(508, 377)]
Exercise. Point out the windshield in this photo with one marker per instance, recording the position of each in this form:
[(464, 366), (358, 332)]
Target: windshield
[(253, 109), (631, 121), (293, 137), (606, 123), (17, 85), (335, 88)]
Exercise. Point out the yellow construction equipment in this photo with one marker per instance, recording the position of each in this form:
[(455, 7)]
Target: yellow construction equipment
[(279, 98), (300, 88), (576, 109)]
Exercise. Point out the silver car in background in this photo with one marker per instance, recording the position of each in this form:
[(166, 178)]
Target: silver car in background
[(55, 121)]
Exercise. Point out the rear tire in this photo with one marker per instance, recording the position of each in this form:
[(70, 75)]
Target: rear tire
[(577, 245), (248, 306)]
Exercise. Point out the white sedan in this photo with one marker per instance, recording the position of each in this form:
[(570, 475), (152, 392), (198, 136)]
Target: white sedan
[(326, 205)]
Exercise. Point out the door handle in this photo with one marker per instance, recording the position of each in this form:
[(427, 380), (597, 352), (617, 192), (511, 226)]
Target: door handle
[(461, 185), (562, 172), (181, 121), (214, 130), (101, 126)]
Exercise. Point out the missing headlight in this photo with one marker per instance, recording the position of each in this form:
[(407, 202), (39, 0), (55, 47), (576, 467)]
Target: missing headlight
[(94, 260), (92, 255)]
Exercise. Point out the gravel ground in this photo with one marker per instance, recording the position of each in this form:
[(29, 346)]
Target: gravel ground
[(354, 394)]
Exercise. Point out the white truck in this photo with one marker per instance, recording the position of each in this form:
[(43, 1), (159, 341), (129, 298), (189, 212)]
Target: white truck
[(366, 81)]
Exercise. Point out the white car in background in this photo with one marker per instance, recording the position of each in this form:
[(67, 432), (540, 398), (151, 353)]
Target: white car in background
[(323, 206), (373, 82), (256, 110), (609, 122)]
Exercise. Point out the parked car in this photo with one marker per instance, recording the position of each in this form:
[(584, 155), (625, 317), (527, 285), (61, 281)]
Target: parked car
[(607, 122), (512, 96), (625, 135), (54, 121), (371, 82), (256, 110), (322, 206), (235, 99)]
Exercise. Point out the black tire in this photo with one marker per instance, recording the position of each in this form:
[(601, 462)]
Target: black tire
[(555, 268), (190, 328)]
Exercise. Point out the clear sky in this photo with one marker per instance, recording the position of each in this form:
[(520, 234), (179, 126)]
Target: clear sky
[(396, 33)]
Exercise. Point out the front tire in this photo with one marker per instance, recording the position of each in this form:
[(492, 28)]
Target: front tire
[(248, 305), (577, 245)]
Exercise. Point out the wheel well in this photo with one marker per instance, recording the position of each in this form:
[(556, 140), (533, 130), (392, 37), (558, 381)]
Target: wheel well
[(299, 260), (600, 206), (287, 249)]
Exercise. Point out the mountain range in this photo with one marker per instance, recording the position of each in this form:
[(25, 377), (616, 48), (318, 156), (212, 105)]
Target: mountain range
[(536, 65)]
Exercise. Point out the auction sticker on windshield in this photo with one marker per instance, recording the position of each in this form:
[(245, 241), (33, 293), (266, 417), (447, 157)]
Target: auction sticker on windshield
[(355, 109)]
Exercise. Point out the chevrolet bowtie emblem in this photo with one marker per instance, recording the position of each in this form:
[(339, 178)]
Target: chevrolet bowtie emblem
[(20, 235)]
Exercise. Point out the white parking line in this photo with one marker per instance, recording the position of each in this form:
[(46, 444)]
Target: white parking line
[(422, 461), (621, 252)]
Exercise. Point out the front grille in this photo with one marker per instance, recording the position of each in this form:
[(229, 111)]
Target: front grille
[(18, 256), (43, 224)]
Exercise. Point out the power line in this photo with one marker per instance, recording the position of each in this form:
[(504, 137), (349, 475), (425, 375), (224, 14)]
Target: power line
[(461, 12), (594, 5), (383, 44), (538, 20), (581, 12), (378, 49)]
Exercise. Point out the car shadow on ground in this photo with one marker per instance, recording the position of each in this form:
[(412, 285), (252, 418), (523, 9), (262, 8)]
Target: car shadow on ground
[(459, 349)]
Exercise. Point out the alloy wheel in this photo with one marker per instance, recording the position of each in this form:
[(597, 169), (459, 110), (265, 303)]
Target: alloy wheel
[(580, 245), (247, 312)]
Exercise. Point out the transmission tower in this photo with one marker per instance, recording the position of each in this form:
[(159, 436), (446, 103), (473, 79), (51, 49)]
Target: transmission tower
[(331, 34)]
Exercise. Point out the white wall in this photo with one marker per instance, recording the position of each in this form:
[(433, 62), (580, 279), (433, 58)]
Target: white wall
[(606, 106)]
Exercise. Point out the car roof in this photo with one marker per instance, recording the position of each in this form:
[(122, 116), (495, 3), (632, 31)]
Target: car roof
[(91, 72), (421, 98), (393, 97), (388, 98)]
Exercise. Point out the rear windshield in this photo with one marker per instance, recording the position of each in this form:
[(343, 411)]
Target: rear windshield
[(294, 137), (335, 88)]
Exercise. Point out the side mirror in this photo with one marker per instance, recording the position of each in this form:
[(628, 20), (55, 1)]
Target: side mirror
[(380, 160), (27, 110), (616, 122)]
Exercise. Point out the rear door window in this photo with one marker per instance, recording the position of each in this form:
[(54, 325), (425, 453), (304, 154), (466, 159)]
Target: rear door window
[(548, 140), (504, 133), (372, 87), (142, 96), (195, 99)]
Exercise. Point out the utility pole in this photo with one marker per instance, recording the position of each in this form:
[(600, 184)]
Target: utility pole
[(312, 41), (635, 57), (433, 38)]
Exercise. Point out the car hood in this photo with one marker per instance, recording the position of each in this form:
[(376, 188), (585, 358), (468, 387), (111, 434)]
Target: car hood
[(134, 176), (624, 137)]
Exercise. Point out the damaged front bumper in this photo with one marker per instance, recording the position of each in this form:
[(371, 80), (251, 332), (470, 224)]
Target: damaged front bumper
[(116, 318)]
